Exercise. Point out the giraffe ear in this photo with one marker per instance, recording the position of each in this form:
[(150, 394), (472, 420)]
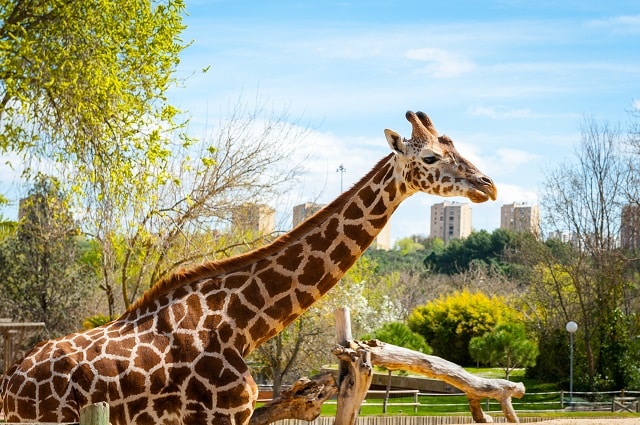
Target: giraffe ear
[(395, 141)]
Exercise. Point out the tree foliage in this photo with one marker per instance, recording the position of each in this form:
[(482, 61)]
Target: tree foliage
[(7, 226), (43, 276), (449, 322), (506, 346), (398, 333), (590, 279), (85, 81), (481, 246), (189, 217)]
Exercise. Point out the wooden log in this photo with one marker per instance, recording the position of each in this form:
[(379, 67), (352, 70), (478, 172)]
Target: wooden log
[(95, 414), (354, 386), (302, 401), (355, 371), (398, 358)]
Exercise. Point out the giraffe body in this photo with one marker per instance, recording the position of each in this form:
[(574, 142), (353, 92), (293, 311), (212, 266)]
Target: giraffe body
[(176, 356)]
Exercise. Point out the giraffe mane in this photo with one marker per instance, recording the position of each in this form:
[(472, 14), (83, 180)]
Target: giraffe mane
[(211, 269)]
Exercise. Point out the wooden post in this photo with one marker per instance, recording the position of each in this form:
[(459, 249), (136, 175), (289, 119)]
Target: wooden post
[(356, 371), (343, 336), (95, 414)]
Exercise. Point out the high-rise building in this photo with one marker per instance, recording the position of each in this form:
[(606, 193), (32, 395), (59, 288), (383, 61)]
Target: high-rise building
[(520, 217), (259, 218), (630, 227), (303, 211), (450, 220)]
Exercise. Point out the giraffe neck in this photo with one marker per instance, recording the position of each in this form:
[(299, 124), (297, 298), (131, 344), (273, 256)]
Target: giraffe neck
[(249, 298), (317, 254)]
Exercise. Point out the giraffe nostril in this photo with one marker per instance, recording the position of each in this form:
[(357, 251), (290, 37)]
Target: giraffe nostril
[(486, 180)]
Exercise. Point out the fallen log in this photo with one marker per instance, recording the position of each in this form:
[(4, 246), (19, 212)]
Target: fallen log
[(302, 401), (476, 388)]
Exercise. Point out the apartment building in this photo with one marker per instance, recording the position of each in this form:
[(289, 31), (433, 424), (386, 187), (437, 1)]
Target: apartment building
[(450, 220), (520, 217), (258, 218)]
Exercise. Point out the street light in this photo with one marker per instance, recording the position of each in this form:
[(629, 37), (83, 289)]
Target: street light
[(341, 170), (571, 327)]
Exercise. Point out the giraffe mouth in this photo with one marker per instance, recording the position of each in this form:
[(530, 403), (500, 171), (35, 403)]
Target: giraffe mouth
[(483, 193)]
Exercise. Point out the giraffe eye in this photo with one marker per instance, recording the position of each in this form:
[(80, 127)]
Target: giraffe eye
[(430, 159)]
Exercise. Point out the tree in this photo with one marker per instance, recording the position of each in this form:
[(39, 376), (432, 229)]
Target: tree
[(400, 334), (481, 246), (506, 346), (7, 226), (43, 276), (407, 245), (449, 322), (83, 85), (278, 357), (186, 216), (85, 81), (592, 282)]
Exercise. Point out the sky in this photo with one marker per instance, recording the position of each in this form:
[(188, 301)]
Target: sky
[(511, 82)]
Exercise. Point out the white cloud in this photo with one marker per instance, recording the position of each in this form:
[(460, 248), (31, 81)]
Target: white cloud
[(620, 23), (441, 63), (499, 112), (509, 193)]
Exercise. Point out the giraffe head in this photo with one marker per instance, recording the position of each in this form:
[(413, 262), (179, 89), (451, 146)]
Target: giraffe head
[(431, 163)]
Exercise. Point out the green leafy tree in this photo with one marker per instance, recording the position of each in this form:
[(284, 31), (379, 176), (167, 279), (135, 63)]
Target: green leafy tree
[(590, 280), (83, 86), (42, 273), (7, 226), (481, 246), (85, 80), (407, 245), (506, 346), (400, 334), (449, 322)]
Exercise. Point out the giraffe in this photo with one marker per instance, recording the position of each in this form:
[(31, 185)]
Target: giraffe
[(176, 356)]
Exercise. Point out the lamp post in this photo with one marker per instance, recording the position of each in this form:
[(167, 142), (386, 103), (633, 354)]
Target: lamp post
[(341, 170), (571, 327)]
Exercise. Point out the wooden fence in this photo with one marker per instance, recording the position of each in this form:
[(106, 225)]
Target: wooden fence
[(404, 420), (94, 414), (554, 401)]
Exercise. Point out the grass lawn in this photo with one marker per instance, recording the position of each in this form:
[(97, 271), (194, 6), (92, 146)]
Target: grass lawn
[(535, 402)]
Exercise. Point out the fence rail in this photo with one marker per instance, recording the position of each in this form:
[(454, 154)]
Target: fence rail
[(552, 401), (403, 420), (94, 414)]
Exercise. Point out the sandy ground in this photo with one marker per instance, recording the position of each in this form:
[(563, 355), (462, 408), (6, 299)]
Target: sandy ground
[(607, 421)]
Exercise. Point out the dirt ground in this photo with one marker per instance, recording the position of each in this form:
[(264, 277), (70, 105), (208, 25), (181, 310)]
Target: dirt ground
[(607, 421)]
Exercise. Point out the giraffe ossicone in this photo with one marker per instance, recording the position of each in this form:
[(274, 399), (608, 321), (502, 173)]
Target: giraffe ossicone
[(177, 355)]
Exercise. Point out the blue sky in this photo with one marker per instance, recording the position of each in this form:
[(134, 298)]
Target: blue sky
[(510, 81)]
